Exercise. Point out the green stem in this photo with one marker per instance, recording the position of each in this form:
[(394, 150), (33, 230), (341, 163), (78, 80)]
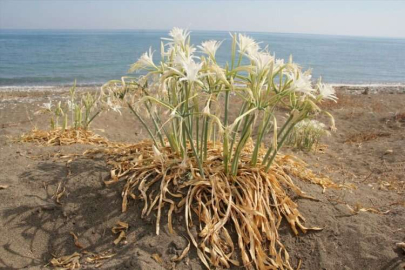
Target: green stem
[(261, 130), (194, 152), (245, 136), (236, 129), (225, 146), (92, 118), (279, 145), (197, 123), (281, 131), (206, 129), (144, 124), (155, 123)]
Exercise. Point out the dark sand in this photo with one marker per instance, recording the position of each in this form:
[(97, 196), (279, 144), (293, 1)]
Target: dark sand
[(33, 227)]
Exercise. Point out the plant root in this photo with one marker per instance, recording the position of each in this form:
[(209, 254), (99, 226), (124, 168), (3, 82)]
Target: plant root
[(252, 203)]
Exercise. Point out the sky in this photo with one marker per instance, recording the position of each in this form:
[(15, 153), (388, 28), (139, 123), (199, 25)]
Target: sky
[(356, 18)]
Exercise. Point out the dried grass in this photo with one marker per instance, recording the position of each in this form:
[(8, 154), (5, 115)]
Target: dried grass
[(73, 261), (121, 229), (97, 259), (253, 203), (67, 262), (62, 137)]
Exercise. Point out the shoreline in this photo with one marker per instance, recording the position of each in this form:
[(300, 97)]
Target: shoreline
[(397, 88)]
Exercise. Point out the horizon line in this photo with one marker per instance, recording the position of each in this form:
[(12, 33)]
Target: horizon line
[(196, 30)]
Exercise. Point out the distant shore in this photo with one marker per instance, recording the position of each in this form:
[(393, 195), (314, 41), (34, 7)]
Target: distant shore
[(350, 88)]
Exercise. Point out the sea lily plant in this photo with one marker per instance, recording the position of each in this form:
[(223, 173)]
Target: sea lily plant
[(75, 113), (307, 134), (188, 95), (221, 166)]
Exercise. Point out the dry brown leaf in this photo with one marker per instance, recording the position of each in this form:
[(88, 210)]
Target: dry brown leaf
[(59, 194), (3, 186), (254, 202), (299, 264), (183, 254), (358, 208), (67, 262), (120, 237), (401, 245), (63, 137), (157, 258), (120, 228), (76, 240), (95, 258)]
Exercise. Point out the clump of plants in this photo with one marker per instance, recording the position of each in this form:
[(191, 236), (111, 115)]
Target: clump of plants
[(76, 112), (205, 162), (69, 121), (306, 135)]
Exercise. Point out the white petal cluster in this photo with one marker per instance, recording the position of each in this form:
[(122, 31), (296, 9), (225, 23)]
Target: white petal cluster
[(258, 78), (327, 92), (191, 69), (144, 62), (303, 84), (179, 36), (220, 74), (47, 106), (182, 58), (247, 44), (313, 124), (261, 60), (278, 64), (71, 105), (210, 47), (112, 106)]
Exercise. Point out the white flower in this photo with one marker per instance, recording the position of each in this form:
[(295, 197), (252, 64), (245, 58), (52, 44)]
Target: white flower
[(144, 62), (262, 60), (247, 44), (181, 58), (219, 72), (169, 51), (191, 68), (313, 126), (210, 47), (279, 63), (179, 36), (303, 84), (327, 92), (47, 106), (71, 105), (114, 107)]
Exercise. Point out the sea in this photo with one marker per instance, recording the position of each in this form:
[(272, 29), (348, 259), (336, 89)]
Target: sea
[(44, 58)]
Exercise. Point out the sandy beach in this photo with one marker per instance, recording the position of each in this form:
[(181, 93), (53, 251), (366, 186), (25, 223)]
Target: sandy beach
[(361, 226)]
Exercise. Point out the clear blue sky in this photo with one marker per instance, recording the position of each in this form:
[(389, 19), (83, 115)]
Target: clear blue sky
[(360, 18)]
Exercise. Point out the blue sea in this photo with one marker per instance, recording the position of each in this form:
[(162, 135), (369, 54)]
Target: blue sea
[(56, 58)]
